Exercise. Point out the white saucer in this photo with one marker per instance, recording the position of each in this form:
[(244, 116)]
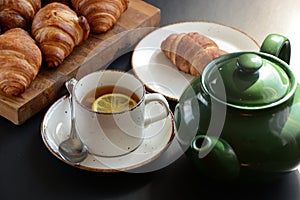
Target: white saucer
[(56, 125), (153, 68)]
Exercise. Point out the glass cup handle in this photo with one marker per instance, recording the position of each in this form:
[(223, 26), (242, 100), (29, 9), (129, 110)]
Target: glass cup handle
[(162, 100)]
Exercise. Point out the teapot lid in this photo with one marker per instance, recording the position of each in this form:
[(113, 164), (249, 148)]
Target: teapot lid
[(248, 79)]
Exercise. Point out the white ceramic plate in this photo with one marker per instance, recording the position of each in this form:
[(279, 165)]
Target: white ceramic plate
[(56, 126), (151, 66)]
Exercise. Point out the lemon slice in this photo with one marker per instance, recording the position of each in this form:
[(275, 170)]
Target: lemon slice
[(112, 103)]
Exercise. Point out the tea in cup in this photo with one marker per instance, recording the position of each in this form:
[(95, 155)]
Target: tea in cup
[(110, 109)]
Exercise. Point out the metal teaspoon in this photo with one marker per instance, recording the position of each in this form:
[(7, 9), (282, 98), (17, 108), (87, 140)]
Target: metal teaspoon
[(72, 149)]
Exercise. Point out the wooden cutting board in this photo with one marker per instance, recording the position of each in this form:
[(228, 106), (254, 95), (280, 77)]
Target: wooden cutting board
[(137, 21)]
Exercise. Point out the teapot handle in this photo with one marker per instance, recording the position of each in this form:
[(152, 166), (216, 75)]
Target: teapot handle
[(277, 45)]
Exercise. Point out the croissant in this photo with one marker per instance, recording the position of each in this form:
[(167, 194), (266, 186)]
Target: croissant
[(17, 13), (190, 52), (20, 61), (57, 30), (101, 14)]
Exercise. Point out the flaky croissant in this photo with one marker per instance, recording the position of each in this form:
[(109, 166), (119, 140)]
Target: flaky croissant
[(20, 61), (57, 30), (101, 14), (17, 13), (190, 52)]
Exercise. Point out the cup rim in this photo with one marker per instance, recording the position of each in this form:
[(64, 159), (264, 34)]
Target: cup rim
[(104, 71)]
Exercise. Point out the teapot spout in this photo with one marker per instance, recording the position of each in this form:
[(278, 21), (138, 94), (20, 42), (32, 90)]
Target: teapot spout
[(214, 157)]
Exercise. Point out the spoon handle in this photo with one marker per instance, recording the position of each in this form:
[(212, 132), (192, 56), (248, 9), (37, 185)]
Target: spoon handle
[(70, 87), (70, 84)]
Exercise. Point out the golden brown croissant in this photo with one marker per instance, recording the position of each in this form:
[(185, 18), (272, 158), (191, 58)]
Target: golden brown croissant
[(190, 52), (101, 14), (57, 30), (20, 61), (17, 13)]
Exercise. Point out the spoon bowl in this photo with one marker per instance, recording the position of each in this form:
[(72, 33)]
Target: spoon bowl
[(72, 149)]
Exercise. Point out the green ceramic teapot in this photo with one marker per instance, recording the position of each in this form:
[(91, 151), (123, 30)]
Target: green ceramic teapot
[(241, 116)]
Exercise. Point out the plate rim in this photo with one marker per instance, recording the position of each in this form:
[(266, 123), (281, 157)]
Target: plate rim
[(99, 169), (175, 24)]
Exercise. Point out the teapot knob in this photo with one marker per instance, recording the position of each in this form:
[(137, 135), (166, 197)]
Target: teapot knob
[(249, 62)]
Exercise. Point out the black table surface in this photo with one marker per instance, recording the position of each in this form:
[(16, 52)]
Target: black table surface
[(29, 171)]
